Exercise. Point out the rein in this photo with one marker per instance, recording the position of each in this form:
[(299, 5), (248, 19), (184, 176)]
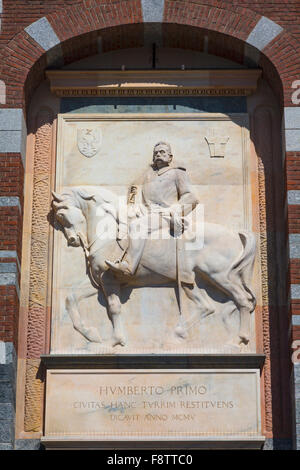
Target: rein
[(84, 244), (86, 252), (86, 249)]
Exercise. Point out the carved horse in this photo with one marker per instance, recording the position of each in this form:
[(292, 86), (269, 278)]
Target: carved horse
[(225, 259)]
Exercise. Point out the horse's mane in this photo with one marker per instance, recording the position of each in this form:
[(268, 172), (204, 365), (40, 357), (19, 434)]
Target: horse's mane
[(74, 197)]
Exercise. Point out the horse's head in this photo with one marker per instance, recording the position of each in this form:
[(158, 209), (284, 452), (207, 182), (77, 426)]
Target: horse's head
[(69, 216)]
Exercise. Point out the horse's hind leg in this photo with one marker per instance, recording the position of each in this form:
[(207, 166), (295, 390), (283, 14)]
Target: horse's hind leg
[(202, 302), (72, 301), (200, 298), (235, 290)]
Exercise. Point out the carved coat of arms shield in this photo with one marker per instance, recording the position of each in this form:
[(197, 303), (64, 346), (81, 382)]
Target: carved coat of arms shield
[(89, 141)]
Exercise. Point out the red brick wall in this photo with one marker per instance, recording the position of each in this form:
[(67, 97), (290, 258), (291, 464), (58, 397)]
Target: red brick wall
[(293, 183), (17, 14), (295, 272), (11, 184), (11, 175), (294, 218), (293, 169), (10, 239), (72, 19), (9, 306), (10, 229)]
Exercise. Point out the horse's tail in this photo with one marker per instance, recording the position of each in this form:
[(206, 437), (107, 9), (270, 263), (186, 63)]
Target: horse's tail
[(243, 267)]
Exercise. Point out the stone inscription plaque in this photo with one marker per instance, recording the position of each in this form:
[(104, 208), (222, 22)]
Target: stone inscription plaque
[(145, 404)]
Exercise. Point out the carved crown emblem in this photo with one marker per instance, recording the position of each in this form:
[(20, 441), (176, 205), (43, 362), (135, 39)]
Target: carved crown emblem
[(216, 143), (89, 141)]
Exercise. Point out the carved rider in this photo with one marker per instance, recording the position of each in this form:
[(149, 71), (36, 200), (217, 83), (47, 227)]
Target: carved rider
[(167, 193)]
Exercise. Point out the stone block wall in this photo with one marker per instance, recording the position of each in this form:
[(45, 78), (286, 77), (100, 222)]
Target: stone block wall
[(7, 395)]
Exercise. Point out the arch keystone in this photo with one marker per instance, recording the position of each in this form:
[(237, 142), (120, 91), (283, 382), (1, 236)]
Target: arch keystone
[(263, 33), (43, 33)]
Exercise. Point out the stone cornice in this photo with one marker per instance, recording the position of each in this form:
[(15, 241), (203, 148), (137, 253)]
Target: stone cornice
[(71, 83), (153, 361)]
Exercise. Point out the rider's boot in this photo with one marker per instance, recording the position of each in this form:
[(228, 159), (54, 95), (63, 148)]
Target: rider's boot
[(118, 266), (129, 264)]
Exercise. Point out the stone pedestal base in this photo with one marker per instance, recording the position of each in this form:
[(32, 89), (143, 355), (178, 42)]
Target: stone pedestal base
[(214, 402)]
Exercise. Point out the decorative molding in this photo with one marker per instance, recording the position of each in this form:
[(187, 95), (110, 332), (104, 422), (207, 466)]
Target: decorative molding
[(204, 443), (69, 83), (38, 280), (262, 119), (148, 92), (34, 392), (165, 361)]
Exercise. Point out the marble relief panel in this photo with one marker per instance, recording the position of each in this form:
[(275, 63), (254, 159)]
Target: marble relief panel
[(99, 159)]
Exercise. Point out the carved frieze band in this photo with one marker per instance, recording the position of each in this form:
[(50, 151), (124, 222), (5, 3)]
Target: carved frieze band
[(72, 83), (146, 92), (38, 280)]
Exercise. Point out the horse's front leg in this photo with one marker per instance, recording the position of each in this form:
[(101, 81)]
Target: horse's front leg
[(111, 289), (72, 301)]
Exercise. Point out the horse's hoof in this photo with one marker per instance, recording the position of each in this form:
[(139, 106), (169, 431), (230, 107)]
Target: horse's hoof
[(119, 341), (233, 346), (181, 332), (91, 334)]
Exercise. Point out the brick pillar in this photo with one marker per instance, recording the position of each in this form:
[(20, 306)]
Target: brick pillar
[(292, 137), (12, 150)]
